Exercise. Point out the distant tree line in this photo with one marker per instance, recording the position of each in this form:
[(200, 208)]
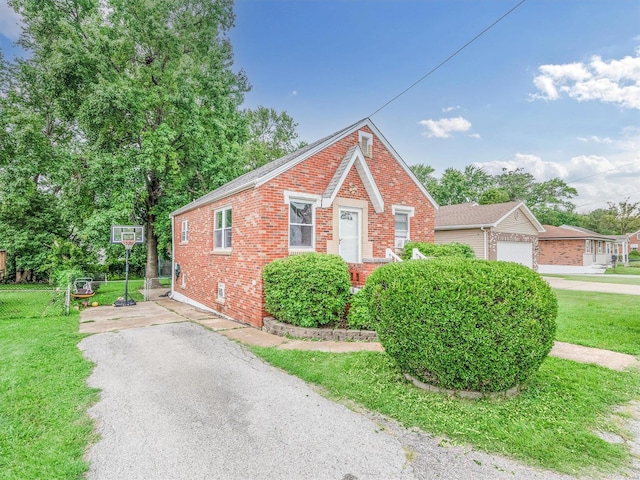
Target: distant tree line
[(550, 201)]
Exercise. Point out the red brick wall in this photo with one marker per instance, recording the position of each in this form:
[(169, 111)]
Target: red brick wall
[(560, 252), (261, 228)]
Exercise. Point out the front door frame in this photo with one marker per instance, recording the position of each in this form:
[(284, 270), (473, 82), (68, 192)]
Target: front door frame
[(358, 212)]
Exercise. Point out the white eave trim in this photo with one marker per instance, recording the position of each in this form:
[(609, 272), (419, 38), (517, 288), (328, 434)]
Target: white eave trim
[(357, 158), (206, 201)]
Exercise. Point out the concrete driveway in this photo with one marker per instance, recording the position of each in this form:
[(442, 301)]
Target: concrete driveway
[(179, 401)]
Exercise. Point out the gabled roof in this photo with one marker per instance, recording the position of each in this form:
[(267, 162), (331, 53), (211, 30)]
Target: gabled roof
[(472, 215), (274, 168), (354, 156), (569, 232)]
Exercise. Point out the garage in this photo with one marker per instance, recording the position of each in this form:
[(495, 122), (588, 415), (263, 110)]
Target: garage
[(519, 252)]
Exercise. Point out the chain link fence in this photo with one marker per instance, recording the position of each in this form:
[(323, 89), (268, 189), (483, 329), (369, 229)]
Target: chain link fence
[(33, 301), (155, 288)]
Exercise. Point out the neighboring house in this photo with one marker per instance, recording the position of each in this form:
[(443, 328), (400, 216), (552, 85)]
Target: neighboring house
[(621, 249), (569, 249), (348, 194), (634, 240), (501, 231)]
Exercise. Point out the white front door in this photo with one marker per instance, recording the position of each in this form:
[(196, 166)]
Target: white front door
[(350, 235)]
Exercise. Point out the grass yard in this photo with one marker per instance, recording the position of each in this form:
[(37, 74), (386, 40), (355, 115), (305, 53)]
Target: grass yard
[(549, 425), (44, 428), (622, 270), (108, 293), (601, 320)]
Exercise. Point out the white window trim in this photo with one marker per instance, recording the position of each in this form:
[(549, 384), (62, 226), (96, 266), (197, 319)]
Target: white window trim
[(369, 142), (215, 213), (184, 231), (410, 212), (315, 201)]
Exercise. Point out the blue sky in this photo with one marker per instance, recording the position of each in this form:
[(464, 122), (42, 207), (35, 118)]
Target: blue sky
[(554, 87)]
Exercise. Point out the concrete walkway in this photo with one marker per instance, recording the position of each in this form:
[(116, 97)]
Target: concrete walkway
[(564, 284), (165, 310)]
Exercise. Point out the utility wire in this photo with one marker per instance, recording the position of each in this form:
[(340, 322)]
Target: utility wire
[(600, 173), (448, 58)]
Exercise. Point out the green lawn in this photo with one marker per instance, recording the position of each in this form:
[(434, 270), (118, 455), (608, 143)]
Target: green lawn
[(602, 320), (44, 428), (622, 270), (598, 279), (549, 425), (108, 293)]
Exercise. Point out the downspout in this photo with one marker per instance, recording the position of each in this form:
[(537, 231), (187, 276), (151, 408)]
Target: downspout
[(484, 246)]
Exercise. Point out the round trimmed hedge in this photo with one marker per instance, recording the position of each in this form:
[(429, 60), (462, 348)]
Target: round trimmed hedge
[(463, 324), (308, 290)]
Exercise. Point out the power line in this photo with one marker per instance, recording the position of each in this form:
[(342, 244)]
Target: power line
[(448, 58), (600, 173)]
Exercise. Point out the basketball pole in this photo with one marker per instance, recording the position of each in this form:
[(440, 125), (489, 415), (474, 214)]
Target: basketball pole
[(126, 302)]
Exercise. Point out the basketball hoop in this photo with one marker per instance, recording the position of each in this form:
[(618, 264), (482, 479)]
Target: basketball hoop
[(127, 235), (128, 243)]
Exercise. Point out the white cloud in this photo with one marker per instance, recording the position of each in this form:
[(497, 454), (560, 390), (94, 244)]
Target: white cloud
[(611, 177), (612, 81), (444, 127), (450, 109), (10, 22), (595, 139), (533, 164), (476, 136), (294, 93)]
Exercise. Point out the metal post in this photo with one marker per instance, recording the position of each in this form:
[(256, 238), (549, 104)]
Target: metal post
[(126, 302)]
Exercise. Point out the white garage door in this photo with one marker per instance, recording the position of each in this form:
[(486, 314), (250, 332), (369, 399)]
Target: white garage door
[(519, 252)]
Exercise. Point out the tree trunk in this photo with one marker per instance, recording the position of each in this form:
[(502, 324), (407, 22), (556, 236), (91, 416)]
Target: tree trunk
[(151, 271)]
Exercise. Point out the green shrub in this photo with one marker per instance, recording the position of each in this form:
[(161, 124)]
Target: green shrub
[(438, 250), (308, 290), (464, 324), (359, 317), (634, 254)]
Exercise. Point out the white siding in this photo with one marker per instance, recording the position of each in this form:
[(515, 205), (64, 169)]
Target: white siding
[(473, 237), (519, 225)]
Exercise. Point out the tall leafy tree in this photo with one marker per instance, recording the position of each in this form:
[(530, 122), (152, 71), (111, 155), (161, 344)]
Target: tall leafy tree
[(625, 216), (152, 97), (271, 135)]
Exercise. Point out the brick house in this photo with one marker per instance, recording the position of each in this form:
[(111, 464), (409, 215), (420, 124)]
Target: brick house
[(569, 249), (633, 240), (500, 231), (349, 194)]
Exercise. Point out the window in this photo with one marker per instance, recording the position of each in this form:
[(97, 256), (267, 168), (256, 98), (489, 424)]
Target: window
[(184, 233), (221, 291), (587, 246), (402, 229), (600, 246), (222, 229), (366, 141), (301, 225), (401, 216)]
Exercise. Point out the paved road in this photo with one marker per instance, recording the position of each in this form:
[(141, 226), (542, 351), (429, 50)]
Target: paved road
[(179, 401)]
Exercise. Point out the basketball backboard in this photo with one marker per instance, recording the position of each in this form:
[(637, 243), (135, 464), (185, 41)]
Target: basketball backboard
[(120, 233)]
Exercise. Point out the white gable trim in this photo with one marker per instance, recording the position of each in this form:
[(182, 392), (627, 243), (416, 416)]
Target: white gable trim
[(357, 159), (401, 162)]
